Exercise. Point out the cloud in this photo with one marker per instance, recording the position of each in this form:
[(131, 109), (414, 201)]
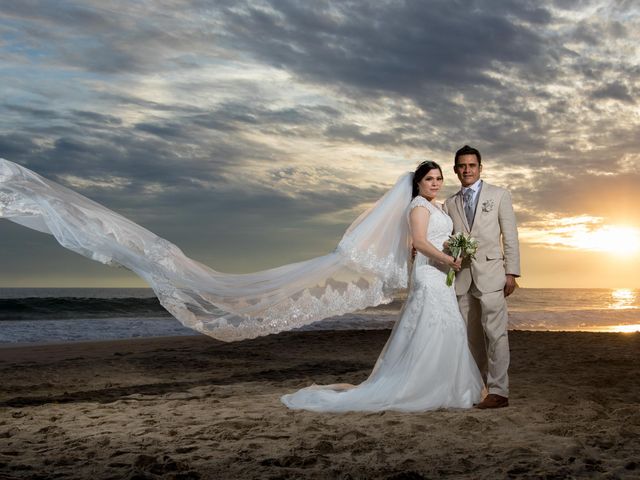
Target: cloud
[(396, 48), (283, 116), (613, 91)]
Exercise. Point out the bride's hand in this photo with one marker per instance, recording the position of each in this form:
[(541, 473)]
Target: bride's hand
[(454, 263)]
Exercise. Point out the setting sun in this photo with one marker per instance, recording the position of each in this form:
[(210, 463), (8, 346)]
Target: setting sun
[(625, 329)]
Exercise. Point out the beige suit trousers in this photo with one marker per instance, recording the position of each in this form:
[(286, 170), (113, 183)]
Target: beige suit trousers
[(487, 319)]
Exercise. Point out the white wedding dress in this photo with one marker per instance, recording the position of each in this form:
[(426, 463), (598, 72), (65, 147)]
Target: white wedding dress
[(426, 363)]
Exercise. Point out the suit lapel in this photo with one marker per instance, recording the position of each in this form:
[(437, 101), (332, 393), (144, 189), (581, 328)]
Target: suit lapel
[(481, 198)]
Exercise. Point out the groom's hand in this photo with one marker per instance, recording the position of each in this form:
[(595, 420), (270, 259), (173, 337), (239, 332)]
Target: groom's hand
[(510, 285)]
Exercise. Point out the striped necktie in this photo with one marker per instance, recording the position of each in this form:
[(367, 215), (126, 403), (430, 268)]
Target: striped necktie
[(468, 206)]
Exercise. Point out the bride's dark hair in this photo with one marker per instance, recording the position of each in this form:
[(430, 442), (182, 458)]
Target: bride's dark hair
[(424, 168)]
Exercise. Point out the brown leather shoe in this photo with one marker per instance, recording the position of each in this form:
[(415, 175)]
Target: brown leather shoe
[(493, 401)]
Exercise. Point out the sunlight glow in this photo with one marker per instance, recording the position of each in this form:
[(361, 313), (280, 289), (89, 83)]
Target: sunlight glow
[(620, 240), (625, 328), (584, 233)]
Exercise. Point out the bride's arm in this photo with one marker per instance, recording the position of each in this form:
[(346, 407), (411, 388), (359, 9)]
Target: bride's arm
[(419, 221)]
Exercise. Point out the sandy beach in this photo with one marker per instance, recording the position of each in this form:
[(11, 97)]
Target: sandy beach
[(194, 407)]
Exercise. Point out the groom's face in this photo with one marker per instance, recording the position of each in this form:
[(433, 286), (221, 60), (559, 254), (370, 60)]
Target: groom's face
[(468, 169)]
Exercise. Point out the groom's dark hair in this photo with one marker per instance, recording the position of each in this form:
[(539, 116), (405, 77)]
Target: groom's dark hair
[(467, 150)]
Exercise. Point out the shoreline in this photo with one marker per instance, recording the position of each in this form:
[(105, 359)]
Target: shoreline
[(20, 345), (8, 346), (194, 407)]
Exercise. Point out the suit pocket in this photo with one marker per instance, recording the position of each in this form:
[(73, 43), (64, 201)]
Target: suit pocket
[(495, 255)]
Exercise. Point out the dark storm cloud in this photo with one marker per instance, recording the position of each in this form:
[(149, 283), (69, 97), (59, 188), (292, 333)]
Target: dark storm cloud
[(16, 146), (36, 113), (236, 116), (354, 133), (107, 38), (95, 145), (571, 4), (613, 91), (389, 47), (96, 118), (62, 14)]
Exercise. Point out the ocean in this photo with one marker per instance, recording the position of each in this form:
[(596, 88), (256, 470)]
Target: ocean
[(45, 315)]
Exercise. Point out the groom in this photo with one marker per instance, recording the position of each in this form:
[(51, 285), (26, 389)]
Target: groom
[(485, 212)]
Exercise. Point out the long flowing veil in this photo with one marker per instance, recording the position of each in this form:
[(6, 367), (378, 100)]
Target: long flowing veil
[(369, 264)]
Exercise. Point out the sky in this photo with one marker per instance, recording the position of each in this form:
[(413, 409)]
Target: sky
[(251, 133)]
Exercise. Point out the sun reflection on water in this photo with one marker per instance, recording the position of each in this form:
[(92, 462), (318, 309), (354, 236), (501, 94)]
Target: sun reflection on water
[(627, 328), (622, 298)]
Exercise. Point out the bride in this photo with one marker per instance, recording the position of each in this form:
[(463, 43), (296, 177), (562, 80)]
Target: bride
[(426, 363)]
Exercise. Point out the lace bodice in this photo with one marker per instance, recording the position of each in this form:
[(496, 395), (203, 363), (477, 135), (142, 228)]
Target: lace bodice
[(440, 226)]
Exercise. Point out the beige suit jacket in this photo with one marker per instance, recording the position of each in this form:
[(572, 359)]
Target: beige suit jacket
[(494, 226)]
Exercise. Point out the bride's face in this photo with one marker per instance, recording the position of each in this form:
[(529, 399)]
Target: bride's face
[(431, 184)]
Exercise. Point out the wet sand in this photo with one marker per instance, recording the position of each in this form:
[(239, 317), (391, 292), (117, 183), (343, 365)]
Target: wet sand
[(193, 407)]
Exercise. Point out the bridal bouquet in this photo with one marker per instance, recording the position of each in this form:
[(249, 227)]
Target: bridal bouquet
[(461, 245)]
